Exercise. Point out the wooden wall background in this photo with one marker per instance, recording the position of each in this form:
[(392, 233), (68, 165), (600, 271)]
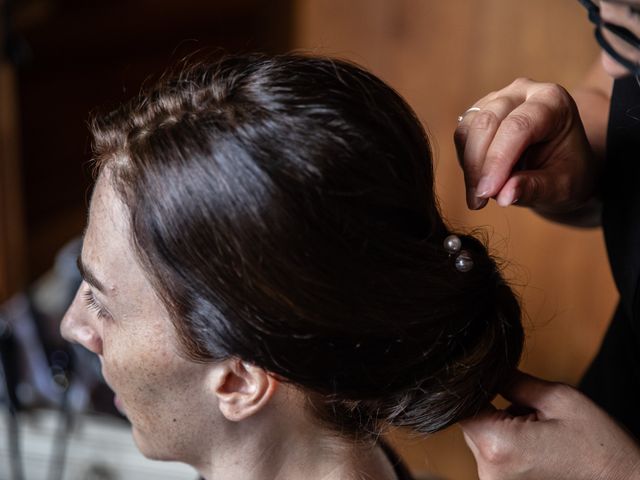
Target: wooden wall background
[(442, 56)]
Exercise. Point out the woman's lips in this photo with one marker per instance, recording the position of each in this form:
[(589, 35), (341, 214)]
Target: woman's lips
[(116, 400)]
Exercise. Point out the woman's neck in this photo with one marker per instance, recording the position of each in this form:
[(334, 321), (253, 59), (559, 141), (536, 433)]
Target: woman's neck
[(291, 449)]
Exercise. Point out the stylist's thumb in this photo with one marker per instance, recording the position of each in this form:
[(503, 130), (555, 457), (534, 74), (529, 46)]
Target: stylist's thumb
[(505, 444), (544, 189), (489, 440)]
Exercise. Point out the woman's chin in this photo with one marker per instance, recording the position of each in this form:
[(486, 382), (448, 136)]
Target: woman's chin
[(147, 444), (149, 449), (143, 445)]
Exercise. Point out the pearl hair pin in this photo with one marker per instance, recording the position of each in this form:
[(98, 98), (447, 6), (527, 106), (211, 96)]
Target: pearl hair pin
[(463, 261)]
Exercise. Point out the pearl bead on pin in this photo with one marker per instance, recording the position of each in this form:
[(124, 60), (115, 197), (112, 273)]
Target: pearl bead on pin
[(463, 261), (452, 244)]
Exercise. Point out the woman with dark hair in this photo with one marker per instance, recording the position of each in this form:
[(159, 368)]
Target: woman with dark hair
[(268, 281)]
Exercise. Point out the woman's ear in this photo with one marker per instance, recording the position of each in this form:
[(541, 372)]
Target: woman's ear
[(242, 389)]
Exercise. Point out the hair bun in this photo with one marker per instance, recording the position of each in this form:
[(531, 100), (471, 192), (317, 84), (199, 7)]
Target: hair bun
[(483, 351)]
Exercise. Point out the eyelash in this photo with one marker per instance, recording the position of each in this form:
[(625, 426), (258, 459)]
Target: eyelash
[(92, 304)]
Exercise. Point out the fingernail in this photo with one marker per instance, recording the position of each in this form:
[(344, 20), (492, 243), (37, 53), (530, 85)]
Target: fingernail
[(482, 190), (471, 198), (473, 201), (506, 199), (480, 203)]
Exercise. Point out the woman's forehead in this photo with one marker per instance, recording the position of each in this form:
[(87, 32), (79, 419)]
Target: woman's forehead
[(106, 210), (106, 242)]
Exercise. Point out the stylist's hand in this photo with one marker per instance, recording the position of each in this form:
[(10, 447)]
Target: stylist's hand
[(527, 144), (567, 437)]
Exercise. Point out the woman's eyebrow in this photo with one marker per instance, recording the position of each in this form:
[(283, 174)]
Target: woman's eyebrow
[(88, 276)]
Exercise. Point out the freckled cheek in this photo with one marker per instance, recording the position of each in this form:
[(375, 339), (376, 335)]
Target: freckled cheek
[(140, 372), (121, 363)]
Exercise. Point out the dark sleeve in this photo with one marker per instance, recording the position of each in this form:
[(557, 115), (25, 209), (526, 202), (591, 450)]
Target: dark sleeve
[(613, 379)]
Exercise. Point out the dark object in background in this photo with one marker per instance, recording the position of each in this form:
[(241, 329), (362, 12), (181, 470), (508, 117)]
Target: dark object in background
[(77, 55), (38, 369), (38, 363)]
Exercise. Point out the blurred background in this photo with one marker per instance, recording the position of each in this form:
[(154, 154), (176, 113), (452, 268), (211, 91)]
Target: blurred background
[(60, 60)]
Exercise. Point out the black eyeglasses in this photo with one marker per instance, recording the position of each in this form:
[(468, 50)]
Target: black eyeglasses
[(617, 30)]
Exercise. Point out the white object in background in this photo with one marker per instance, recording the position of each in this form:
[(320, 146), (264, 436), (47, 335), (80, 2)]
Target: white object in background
[(98, 448)]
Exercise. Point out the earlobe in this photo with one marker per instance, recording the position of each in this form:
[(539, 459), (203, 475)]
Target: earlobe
[(243, 389)]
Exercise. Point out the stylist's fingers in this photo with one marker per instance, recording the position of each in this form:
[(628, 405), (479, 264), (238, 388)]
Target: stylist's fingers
[(490, 437), (541, 118), (461, 134), (481, 130), (476, 428), (461, 138), (477, 424), (533, 187)]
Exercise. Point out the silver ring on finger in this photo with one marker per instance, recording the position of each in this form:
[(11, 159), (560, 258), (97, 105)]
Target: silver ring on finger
[(469, 110)]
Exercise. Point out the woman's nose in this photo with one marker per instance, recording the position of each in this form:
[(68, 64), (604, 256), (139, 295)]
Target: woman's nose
[(78, 326)]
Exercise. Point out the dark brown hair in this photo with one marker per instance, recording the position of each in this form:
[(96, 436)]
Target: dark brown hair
[(284, 209)]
